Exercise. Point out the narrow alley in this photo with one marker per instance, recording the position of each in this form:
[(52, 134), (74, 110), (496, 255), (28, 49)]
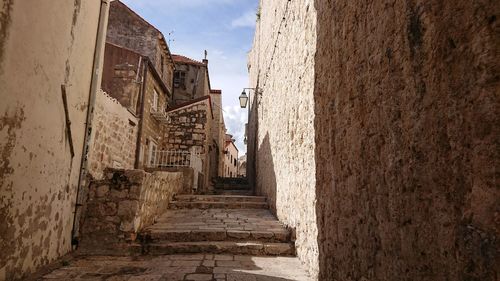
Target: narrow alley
[(249, 140), (201, 237)]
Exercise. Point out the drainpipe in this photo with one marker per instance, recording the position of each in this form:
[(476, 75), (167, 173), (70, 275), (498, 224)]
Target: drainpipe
[(141, 116), (94, 87)]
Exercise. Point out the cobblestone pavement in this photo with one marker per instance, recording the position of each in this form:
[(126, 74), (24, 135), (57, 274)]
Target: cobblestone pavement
[(181, 267)]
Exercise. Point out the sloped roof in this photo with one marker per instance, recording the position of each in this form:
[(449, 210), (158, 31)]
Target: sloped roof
[(186, 60), (191, 102)]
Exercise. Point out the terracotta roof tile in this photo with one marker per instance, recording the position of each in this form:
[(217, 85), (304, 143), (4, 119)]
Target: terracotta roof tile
[(186, 60)]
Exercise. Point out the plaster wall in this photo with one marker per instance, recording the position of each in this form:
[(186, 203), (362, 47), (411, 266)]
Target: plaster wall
[(281, 130), (230, 160), (39, 52)]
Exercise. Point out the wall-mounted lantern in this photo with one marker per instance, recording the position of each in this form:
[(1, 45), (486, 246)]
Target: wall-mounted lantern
[(243, 99)]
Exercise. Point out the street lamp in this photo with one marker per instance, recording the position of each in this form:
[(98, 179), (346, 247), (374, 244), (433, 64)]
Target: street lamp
[(243, 99)]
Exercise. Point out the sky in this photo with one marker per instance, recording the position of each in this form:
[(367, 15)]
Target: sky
[(224, 28)]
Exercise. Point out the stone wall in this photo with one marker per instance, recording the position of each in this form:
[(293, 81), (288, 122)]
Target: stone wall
[(196, 80), (382, 115), (121, 76), (281, 64), (406, 99), (153, 129), (128, 29), (189, 129), (218, 131), (40, 53), (123, 204), (115, 137)]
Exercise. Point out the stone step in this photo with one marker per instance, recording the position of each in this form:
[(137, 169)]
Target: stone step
[(232, 186), (233, 192), (217, 205), (221, 247), (219, 198), (158, 234)]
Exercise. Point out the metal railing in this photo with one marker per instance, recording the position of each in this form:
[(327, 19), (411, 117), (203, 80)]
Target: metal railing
[(173, 158), (178, 158)]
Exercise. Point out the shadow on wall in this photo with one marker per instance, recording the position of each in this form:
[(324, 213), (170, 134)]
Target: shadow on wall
[(266, 186), (405, 141)]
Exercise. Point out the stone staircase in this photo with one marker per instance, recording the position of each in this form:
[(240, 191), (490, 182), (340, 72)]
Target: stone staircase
[(233, 186), (218, 224)]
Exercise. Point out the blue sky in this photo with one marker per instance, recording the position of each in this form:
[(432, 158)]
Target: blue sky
[(225, 29)]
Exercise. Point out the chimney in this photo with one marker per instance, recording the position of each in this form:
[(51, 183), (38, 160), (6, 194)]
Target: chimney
[(205, 61)]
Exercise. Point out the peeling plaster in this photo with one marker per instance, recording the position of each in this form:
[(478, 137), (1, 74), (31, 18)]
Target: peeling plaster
[(10, 123), (5, 20)]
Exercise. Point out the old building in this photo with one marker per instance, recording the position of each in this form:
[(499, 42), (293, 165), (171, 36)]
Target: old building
[(191, 80), (189, 129), (373, 135), (138, 72), (135, 82), (218, 132), (128, 29), (230, 158), (50, 57), (242, 166)]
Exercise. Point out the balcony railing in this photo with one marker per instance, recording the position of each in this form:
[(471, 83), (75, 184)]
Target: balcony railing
[(159, 114), (177, 158)]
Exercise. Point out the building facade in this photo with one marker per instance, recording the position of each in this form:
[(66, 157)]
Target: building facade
[(129, 30), (49, 74), (218, 132), (133, 80), (230, 158), (191, 80)]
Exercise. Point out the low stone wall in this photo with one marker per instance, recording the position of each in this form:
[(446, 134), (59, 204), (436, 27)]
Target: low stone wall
[(122, 204), (187, 177)]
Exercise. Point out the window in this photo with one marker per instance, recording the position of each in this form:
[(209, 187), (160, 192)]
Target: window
[(180, 79), (152, 153), (155, 100)]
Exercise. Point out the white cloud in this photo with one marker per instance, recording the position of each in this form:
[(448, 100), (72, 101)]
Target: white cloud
[(246, 20), (235, 119), (177, 3)]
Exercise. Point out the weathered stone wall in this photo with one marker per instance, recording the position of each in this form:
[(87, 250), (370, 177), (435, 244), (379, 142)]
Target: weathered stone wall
[(196, 80), (120, 206), (39, 52), (128, 29), (407, 134), (153, 130), (281, 64), (218, 131), (189, 129), (121, 76), (115, 137)]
